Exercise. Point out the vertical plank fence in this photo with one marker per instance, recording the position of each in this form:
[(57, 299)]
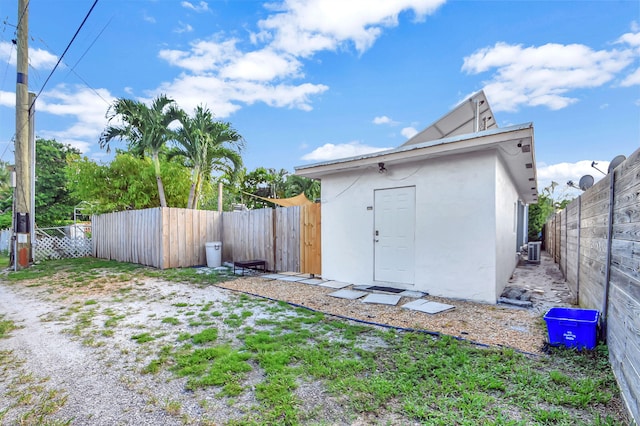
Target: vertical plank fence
[(248, 235), (287, 238), (596, 242), (159, 237)]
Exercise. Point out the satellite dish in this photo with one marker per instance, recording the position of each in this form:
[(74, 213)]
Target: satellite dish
[(616, 162), (586, 182)]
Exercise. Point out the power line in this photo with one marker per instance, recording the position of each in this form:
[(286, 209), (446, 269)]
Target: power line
[(26, 7), (65, 51)]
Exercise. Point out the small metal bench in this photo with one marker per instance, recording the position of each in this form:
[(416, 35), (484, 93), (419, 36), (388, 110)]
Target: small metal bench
[(255, 264)]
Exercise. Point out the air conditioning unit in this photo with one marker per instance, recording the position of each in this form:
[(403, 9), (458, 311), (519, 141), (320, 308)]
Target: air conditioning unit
[(534, 252)]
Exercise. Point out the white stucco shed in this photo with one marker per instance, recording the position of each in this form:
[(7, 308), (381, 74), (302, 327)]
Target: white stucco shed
[(443, 213)]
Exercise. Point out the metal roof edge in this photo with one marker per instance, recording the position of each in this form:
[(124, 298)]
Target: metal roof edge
[(412, 147)]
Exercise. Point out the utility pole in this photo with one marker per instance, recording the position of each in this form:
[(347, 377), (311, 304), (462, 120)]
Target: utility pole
[(23, 176)]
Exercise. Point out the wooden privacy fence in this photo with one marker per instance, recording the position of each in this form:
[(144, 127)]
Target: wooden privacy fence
[(288, 239), (159, 237), (596, 242)]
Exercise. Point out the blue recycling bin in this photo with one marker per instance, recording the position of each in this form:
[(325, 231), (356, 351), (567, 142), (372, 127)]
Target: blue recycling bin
[(572, 327)]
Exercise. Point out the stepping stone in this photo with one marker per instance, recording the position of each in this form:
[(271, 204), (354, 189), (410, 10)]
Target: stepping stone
[(382, 299), (274, 276), (312, 281), (291, 278), (362, 287), (335, 284), (427, 306), (348, 294), (291, 273), (516, 302), (413, 294), (386, 289)]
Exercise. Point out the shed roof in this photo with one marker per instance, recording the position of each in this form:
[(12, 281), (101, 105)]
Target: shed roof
[(514, 144), (471, 115)]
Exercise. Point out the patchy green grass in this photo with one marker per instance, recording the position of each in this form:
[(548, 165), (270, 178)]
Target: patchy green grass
[(27, 398), (142, 338), (417, 377), (251, 349), (170, 320), (6, 326)]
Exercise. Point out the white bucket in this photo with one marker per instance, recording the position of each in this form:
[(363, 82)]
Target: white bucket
[(214, 254)]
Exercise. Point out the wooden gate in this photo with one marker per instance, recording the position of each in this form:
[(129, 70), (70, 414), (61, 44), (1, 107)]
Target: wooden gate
[(310, 242)]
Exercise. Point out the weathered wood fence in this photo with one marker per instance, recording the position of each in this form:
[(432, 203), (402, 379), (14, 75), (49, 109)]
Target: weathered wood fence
[(170, 237), (596, 242)]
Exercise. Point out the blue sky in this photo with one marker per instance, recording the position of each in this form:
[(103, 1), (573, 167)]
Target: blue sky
[(313, 80)]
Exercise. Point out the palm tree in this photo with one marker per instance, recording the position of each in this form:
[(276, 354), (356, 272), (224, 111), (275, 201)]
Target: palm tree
[(207, 145), (146, 129), (296, 184)]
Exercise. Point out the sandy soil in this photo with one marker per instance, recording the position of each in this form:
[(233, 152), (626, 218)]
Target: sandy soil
[(91, 375)]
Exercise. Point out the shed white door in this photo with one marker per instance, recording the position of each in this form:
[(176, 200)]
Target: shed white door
[(394, 234)]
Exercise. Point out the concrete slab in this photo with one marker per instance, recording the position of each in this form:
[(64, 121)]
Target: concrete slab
[(313, 281), (361, 287), (427, 306), (273, 276), (348, 294), (291, 278), (289, 273), (335, 284), (412, 294), (382, 299)]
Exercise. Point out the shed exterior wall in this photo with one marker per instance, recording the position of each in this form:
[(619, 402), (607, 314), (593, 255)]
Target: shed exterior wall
[(507, 206), (455, 230)]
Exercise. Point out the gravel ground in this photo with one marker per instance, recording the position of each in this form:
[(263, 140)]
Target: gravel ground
[(496, 325), (63, 356)]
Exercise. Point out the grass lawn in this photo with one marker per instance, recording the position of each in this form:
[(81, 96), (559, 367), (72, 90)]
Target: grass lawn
[(303, 367)]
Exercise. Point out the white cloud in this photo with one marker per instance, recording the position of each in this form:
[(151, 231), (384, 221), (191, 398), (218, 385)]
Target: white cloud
[(219, 70), (303, 27), (223, 96), (562, 173), (632, 39), (262, 65), (203, 56), (543, 75), (38, 58), (7, 99), (383, 119), (632, 79), (183, 28), (408, 132), (331, 151), (148, 18), (82, 104), (203, 6)]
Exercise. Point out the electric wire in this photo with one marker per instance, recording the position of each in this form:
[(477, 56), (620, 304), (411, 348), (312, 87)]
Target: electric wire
[(65, 51), (57, 63), (26, 7), (78, 75)]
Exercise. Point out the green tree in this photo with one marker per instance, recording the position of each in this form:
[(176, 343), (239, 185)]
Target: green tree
[(127, 183), (540, 212), (257, 183), (6, 195), (207, 145), (146, 129), (296, 184), (54, 202)]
